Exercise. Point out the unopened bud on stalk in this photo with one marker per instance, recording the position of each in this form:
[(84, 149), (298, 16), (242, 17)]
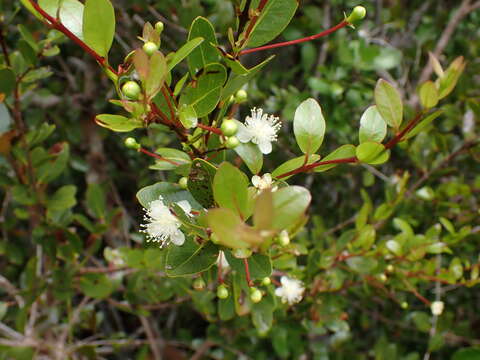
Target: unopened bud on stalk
[(150, 48), (183, 182), (241, 96), (229, 127), (283, 238), (131, 143), (232, 142), (199, 284), (242, 253), (222, 292), (255, 295), (131, 90), (358, 13), (266, 281), (159, 26)]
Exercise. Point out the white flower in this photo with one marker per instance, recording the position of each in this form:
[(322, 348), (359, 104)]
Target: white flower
[(261, 129), (162, 226), (222, 261), (291, 290), (437, 308), (263, 182)]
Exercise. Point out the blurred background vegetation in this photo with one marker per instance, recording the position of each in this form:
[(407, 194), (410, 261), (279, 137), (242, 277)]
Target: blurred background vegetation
[(50, 254)]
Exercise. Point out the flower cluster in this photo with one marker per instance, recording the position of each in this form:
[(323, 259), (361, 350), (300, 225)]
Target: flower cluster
[(163, 226)]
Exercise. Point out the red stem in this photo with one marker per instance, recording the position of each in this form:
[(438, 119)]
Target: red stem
[(402, 133), (247, 272), (60, 27), (158, 157), (305, 168), (297, 41), (209, 128), (170, 106)]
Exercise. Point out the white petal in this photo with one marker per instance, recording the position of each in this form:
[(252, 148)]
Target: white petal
[(256, 180), (265, 147), (185, 205), (243, 135), (267, 178), (178, 238)]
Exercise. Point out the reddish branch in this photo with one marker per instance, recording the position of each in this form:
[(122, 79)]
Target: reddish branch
[(158, 157), (254, 20), (209, 128), (297, 41), (247, 272)]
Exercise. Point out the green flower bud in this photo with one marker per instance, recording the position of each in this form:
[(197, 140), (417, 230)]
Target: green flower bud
[(382, 277), (404, 305), (229, 127), (150, 48), (222, 292), (242, 253), (131, 90), (214, 238), (159, 27), (255, 295), (357, 14), (283, 238), (131, 143), (266, 281), (241, 96), (390, 268), (183, 182), (232, 142), (199, 284)]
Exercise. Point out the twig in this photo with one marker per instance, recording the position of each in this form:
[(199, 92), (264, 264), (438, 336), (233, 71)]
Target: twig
[(152, 340)]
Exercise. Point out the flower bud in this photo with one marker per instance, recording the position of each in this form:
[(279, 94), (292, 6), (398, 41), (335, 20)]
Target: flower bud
[(159, 27), (199, 284), (437, 308), (357, 14), (150, 48), (241, 96), (229, 127), (283, 238), (131, 90), (232, 142), (183, 182), (266, 281), (222, 292), (131, 143), (382, 277), (255, 295), (404, 305)]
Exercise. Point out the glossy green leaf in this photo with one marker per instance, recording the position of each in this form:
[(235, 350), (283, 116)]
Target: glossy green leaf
[(7, 83), (428, 94), (372, 126), (200, 182), (183, 52), (423, 124), (188, 116), (157, 71), (371, 152), (309, 126), (169, 192), (172, 159), (362, 264), (230, 188), (289, 204), (62, 199), (204, 92), (446, 84), (251, 156), (99, 25), (343, 152), (117, 123), (71, 14), (205, 53), (274, 18), (389, 103), (260, 266), (293, 164), (190, 258)]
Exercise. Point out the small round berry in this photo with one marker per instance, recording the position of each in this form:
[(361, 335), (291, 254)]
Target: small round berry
[(159, 26), (404, 305), (131, 143), (255, 295), (266, 281), (229, 127), (358, 13), (150, 48), (382, 277), (232, 142), (131, 90), (390, 268), (241, 96), (183, 182), (199, 284), (222, 292)]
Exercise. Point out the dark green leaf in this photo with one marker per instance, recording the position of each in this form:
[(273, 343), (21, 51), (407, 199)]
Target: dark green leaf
[(230, 188), (205, 53), (190, 258), (118, 123)]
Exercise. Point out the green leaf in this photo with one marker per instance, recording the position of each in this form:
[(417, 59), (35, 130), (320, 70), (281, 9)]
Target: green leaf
[(183, 52), (372, 126), (157, 71), (99, 25), (274, 18), (423, 124), (289, 204), (200, 182), (55, 167), (230, 189), (428, 95), (226, 308), (96, 200), (262, 314), (63, 199), (170, 193), (343, 152), (446, 84), (204, 93), (97, 286), (188, 116), (293, 164), (118, 123), (260, 266), (389, 103), (309, 126), (251, 156), (467, 354), (190, 258), (71, 14), (371, 152), (174, 159), (205, 53), (362, 264), (8, 81), (5, 119), (235, 82)]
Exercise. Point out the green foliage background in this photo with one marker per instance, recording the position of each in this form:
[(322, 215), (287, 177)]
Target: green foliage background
[(56, 235)]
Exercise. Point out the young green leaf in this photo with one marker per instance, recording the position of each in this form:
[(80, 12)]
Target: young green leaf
[(183, 52), (62, 199), (99, 25), (371, 152), (251, 156), (423, 124), (188, 116), (117, 123), (428, 94), (71, 14), (230, 189), (389, 103), (293, 164), (309, 126), (289, 203), (372, 126), (157, 71)]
